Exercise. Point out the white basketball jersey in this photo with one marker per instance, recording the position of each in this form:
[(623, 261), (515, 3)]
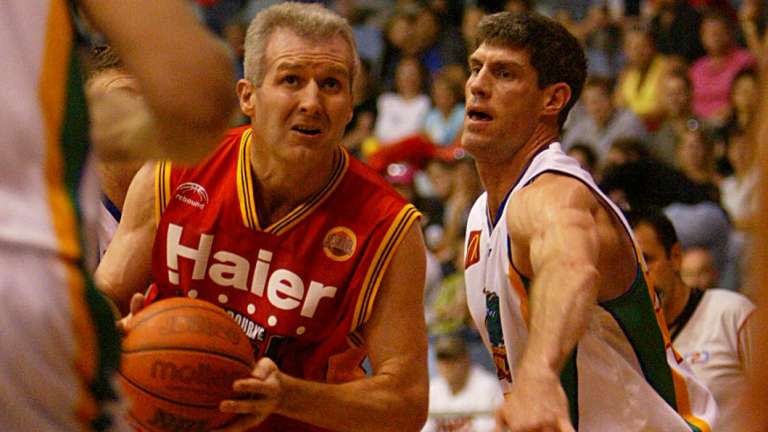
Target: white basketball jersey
[(623, 374), (44, 140), (715, 342)]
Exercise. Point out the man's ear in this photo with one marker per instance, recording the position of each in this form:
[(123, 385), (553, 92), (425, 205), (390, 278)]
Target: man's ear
[(245, 89), (557, 97), (676, 257)]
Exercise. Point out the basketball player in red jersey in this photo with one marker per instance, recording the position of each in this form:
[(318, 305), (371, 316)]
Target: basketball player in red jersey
[(315, 256)]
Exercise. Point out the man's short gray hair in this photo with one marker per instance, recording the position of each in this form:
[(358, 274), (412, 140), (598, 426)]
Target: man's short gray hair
[(307, 20)]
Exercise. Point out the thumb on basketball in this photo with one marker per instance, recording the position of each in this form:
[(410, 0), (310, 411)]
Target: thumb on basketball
[(264, 368)]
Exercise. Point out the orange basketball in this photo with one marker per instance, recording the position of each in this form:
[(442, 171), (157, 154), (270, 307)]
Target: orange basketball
[(179, 360)]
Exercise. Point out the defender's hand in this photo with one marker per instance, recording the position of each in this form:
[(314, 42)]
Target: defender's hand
[(536, 403), (261, 393), (137, 304)]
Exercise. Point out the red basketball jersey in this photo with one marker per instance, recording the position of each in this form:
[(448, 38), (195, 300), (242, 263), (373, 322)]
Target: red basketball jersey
[(300, 288)]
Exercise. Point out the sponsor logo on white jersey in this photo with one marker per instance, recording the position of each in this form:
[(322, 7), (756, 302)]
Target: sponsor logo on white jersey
[(192, 194), (283, 288)]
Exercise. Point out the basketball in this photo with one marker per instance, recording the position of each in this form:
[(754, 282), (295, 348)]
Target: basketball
[(179, 360)]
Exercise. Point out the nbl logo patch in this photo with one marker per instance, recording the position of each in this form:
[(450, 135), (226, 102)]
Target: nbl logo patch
[(472, 254), (339, 243)]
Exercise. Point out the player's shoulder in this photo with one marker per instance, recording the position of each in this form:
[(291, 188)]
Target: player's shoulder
[(728, 300)]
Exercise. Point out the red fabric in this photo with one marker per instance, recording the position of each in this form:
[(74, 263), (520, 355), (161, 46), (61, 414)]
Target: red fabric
[(415, 149), (294, 300)]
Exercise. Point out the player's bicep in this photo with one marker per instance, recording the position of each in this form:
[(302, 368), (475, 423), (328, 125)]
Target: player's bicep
[(126, 265), (557, 221)]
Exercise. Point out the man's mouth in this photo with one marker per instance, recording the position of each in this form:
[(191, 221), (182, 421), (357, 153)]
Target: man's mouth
[(307, 130), (477, 115)]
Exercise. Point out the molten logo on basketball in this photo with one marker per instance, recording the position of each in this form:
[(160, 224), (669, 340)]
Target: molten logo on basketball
[(201, 375)]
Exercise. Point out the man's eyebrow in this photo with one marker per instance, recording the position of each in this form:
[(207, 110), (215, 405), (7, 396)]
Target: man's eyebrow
[(332, 68), (497, 64)]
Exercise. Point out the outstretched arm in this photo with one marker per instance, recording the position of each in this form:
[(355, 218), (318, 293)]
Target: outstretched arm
[(185, 75), (126, 266), (555, 219), (394, 398)]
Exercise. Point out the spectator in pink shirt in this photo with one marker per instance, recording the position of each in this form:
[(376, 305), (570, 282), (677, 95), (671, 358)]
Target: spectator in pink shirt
[(713, 74)]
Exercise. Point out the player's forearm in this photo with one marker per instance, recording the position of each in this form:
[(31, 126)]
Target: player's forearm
[(561, 299), (379, 403)]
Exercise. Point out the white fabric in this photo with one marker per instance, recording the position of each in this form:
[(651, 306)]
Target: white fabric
[(608, 369), (738, 196), (716, 344), (399, 118), (480, 395)]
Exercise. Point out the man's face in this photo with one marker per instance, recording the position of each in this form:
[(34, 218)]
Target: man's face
[(503, 102), (715, 36), (638, 49), (677, 96), (598, 104), (663, 268), (305, 99), (698, 270)]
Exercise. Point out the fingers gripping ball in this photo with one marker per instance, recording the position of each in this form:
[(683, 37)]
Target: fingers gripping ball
[(179, 360)]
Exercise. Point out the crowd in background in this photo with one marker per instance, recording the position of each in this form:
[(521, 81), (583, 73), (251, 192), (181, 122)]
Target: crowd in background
[(665, 120)]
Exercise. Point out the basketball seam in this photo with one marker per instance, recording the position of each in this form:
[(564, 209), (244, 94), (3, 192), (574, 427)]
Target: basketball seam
[(188, 349), (167, 399), (205, 308)]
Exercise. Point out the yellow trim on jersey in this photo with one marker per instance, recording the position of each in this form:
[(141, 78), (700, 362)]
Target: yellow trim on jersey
[(52, 86), (519, 287), (245, 183), (162, 188), (391, 240), (355, 339), (85, 335), (247, 200)]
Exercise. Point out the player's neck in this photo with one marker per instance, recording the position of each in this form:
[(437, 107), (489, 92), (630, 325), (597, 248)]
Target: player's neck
[(282, 185), (499, 177)]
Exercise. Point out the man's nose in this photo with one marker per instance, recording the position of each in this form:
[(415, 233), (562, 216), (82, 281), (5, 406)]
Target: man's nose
[(478, 84), (310, 99)]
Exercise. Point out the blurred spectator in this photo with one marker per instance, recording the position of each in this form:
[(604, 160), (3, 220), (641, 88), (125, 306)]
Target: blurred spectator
[(360, 129), (447, 312), (463, 396), (446, 118), (398, 44), (699, 222), (697, 269), (402, 113), (676, 97), (753, 15), (439, 45), (709, 328), (640, 83), (696, 159), (585, 156), (603, 123), (625, 150), (601, 35), (368, 35), (713, 74), (675, 28), (472, 16), (743, 97), (738, 192), (456, 185)]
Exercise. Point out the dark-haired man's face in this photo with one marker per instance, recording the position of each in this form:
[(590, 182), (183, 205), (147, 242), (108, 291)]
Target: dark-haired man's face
[(663, 267), (503, 102)]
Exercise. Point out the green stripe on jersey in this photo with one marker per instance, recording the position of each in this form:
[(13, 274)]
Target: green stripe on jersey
[(635, 315)]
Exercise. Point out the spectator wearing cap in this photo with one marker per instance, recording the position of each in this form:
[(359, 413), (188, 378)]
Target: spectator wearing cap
[(463, 395)]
